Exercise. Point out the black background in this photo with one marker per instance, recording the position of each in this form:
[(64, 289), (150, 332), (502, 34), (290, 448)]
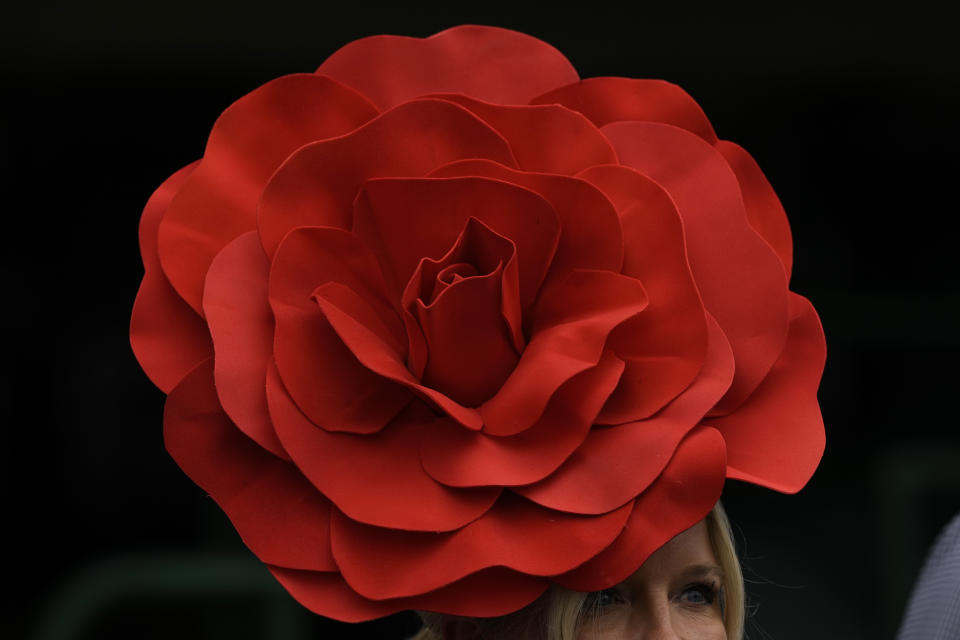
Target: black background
[(851, 112)]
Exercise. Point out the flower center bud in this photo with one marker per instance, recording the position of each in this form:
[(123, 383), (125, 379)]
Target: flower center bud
[(455, 309), (450, 275)]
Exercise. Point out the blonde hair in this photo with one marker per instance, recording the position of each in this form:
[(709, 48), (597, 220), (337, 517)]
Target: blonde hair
[(559, 613)]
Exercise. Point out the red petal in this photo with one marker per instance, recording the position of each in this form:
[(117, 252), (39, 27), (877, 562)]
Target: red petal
[(492, 592), (615, 464), (344, 310), (166, 335), (317, 184), (248, 142), (328, 595), (681, 497), (377, 320), (571, 322), (487, 593), (235, 304), (663, 347), (405, 219), (375, 479), (606, 100), (775, 438), (279, 515), (460, 458), (547, 138), (764, 211), (739, 276), (493, 64), (590, 235), (337, 392), (379, 564)]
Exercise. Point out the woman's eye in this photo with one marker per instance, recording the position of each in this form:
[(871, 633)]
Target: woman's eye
[(607, 598), (699, 594)]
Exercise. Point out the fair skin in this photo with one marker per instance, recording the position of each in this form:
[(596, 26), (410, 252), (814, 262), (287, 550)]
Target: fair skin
[(675, 595)]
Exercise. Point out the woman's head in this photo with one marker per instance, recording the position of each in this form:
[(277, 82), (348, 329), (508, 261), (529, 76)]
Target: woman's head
[(692, 587)]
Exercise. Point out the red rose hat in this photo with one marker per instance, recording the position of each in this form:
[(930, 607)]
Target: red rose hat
[(442, 324)]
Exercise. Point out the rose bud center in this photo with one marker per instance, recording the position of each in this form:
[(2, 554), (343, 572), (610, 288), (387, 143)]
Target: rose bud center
[(463, 309)]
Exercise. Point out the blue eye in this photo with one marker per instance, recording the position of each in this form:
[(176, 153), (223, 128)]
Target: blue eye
[(606, 598), (699, 594)]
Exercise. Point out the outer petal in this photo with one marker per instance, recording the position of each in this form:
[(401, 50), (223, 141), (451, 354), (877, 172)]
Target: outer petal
[(682, 496), (590, 229), (378, 563), (330, 386), (606, 100), (663, 347), (405, 219), (279, 515), (740, 278), (377, 480), (248, 142), (570, 325), (489, 63), (618, 463), (237, 311), (167, 336), (764, 210), (316, 186), (487, 593), (461, 458), (547, 138), (775, 438)]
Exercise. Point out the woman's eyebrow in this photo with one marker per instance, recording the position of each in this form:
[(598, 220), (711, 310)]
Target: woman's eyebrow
[(702, 570)]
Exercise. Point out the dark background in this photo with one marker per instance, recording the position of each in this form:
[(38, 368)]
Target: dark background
[(852, 113)]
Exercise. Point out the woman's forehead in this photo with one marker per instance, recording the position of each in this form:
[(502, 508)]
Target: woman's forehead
[(687, 553)]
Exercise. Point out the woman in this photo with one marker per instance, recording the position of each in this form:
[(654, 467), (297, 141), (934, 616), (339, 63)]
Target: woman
[(446, 328), (692, 587)]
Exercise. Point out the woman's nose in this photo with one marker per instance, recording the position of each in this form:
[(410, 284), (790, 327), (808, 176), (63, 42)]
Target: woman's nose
[(662, 632), (657, 622)]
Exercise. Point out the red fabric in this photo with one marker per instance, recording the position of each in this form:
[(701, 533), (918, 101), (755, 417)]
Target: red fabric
[(462, 458), (279, 515), (617, 463), (487, 63), (318, 183), (548, 138), (406, 220), (379, 563), (235, 304), (249, 140), (378, 481), (690, 484), (329, 595), (167, 336), (783, 458), (663, 347), (592, 238), (442, 324), (764, 211), (730, 274), (606, 100)]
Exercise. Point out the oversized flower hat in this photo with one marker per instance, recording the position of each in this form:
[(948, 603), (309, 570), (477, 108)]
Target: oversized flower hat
[(442, 324)]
